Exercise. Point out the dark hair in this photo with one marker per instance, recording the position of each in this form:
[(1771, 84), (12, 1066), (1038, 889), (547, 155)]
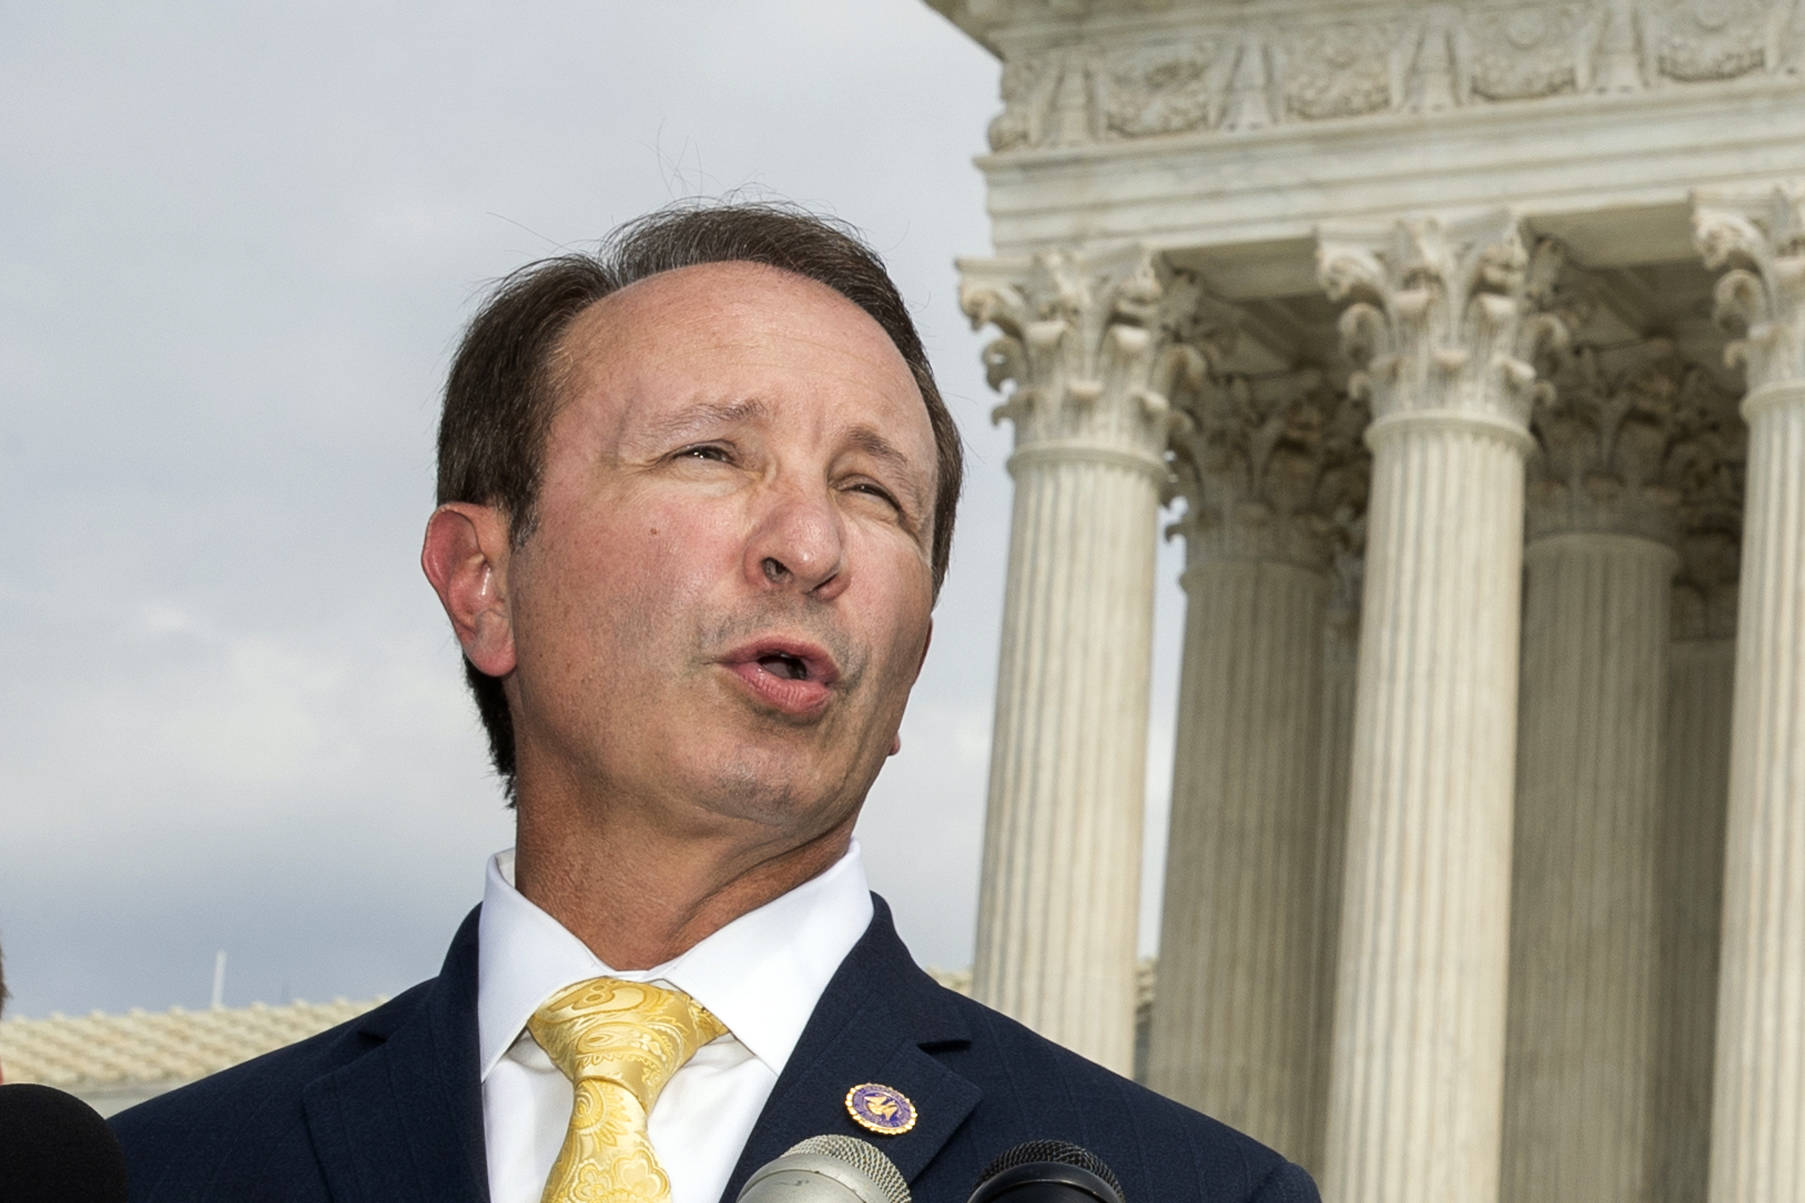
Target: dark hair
[(504, 384)]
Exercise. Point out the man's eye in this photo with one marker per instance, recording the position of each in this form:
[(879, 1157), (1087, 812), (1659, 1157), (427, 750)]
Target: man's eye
[(878, 491), (706, 451)]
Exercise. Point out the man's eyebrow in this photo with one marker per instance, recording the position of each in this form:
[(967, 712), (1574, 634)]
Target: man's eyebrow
[(873, 443), (703, 415)]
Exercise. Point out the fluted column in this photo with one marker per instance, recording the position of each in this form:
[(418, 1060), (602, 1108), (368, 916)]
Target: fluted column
[(1442, 323), (1758, 1123), (1084, 339), (1580, 1051), (1265, 470), (1340, 663), (1690, 827)]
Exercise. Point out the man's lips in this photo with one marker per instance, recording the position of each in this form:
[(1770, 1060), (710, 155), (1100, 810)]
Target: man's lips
[(789, 675)]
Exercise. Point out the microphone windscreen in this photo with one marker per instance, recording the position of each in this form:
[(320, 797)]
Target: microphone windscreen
[(53, 1146), (1053, 1171), (827, 1169)]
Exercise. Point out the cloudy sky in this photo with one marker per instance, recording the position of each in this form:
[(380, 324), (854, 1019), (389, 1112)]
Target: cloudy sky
[(237, 244)]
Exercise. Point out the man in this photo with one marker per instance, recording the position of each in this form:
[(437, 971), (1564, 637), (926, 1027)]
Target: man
[(696, 500)]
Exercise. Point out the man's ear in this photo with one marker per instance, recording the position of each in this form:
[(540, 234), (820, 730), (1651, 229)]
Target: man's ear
[(465, 556)]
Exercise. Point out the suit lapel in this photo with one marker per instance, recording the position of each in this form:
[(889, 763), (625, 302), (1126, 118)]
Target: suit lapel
[(877, 1021), (405, 1120)]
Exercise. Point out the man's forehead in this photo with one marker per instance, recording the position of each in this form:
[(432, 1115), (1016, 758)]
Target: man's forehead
[(662, 325), (725, 299)]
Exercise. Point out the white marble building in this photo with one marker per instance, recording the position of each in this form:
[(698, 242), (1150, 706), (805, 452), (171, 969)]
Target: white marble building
[(1467, 343)]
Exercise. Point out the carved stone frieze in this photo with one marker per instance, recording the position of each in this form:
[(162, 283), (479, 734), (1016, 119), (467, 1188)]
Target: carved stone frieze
[(1760, 238), (1713, 39), (1192, 67), (1271, 467), (1095, 346), (1450, 317), (1165, 90), (1523, 53), (1028, 84), (1346, 69), (1622, 59)]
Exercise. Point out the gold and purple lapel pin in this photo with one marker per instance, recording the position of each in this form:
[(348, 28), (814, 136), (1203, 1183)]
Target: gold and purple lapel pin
[(881, 1109)]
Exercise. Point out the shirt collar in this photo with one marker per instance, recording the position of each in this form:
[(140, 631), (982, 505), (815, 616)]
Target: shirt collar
[(761, 974)]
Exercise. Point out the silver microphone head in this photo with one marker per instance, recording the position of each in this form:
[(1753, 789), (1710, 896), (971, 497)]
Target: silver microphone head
[(828, 1169)]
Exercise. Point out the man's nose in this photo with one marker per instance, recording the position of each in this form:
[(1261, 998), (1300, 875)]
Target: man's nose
[(798, 543)]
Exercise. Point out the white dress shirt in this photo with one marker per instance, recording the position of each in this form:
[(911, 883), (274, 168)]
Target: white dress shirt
[(761, 975)]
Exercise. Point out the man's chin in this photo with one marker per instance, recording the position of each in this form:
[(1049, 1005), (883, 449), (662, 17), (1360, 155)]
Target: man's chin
[(773, 793)]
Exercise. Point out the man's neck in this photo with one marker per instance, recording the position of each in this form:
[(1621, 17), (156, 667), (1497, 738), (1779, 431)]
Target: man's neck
[(641, 898)]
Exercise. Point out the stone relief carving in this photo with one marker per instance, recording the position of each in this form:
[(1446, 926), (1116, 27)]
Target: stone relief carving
[(1166, 90), (1710, 39), (1527, 52), (1438, 73), (1245, 70), (1621, 59), (1342, 70), (1028, 85)]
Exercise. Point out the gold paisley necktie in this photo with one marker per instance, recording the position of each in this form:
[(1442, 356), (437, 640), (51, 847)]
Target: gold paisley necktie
[(618, 1043)]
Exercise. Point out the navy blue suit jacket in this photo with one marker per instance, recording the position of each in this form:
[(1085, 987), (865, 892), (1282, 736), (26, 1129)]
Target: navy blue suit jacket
[(388, 1107)]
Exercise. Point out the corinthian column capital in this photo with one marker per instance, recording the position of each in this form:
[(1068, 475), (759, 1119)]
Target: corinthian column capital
[(1096, 346), (1760, 238), (1707, 467), (1446, 318), (1271, 467), (1619, 436)]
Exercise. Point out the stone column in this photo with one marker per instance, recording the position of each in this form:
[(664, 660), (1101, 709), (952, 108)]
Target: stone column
[(1442, 323), (1599, 565), (1265, 469), (1084, 339), (1690, 826), (1758, 1119), (1340, 663)]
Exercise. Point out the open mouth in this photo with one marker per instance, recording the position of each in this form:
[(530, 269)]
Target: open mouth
[(782, 664), (791, 676)]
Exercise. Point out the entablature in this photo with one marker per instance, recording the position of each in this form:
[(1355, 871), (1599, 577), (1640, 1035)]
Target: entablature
[(1080, 71), (1182, 124)]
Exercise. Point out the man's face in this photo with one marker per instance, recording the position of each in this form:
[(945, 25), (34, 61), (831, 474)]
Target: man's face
[(725, 599)]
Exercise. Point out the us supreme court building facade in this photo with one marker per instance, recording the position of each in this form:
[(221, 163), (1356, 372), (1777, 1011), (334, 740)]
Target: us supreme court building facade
[(1464, 347)]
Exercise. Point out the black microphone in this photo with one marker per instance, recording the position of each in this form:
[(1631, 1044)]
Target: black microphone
[(827, 1169), (55, 1147), (1047, 1171)]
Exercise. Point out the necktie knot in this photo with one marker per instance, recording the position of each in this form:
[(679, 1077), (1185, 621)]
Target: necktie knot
[(618, 1043), (631, 1033)]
